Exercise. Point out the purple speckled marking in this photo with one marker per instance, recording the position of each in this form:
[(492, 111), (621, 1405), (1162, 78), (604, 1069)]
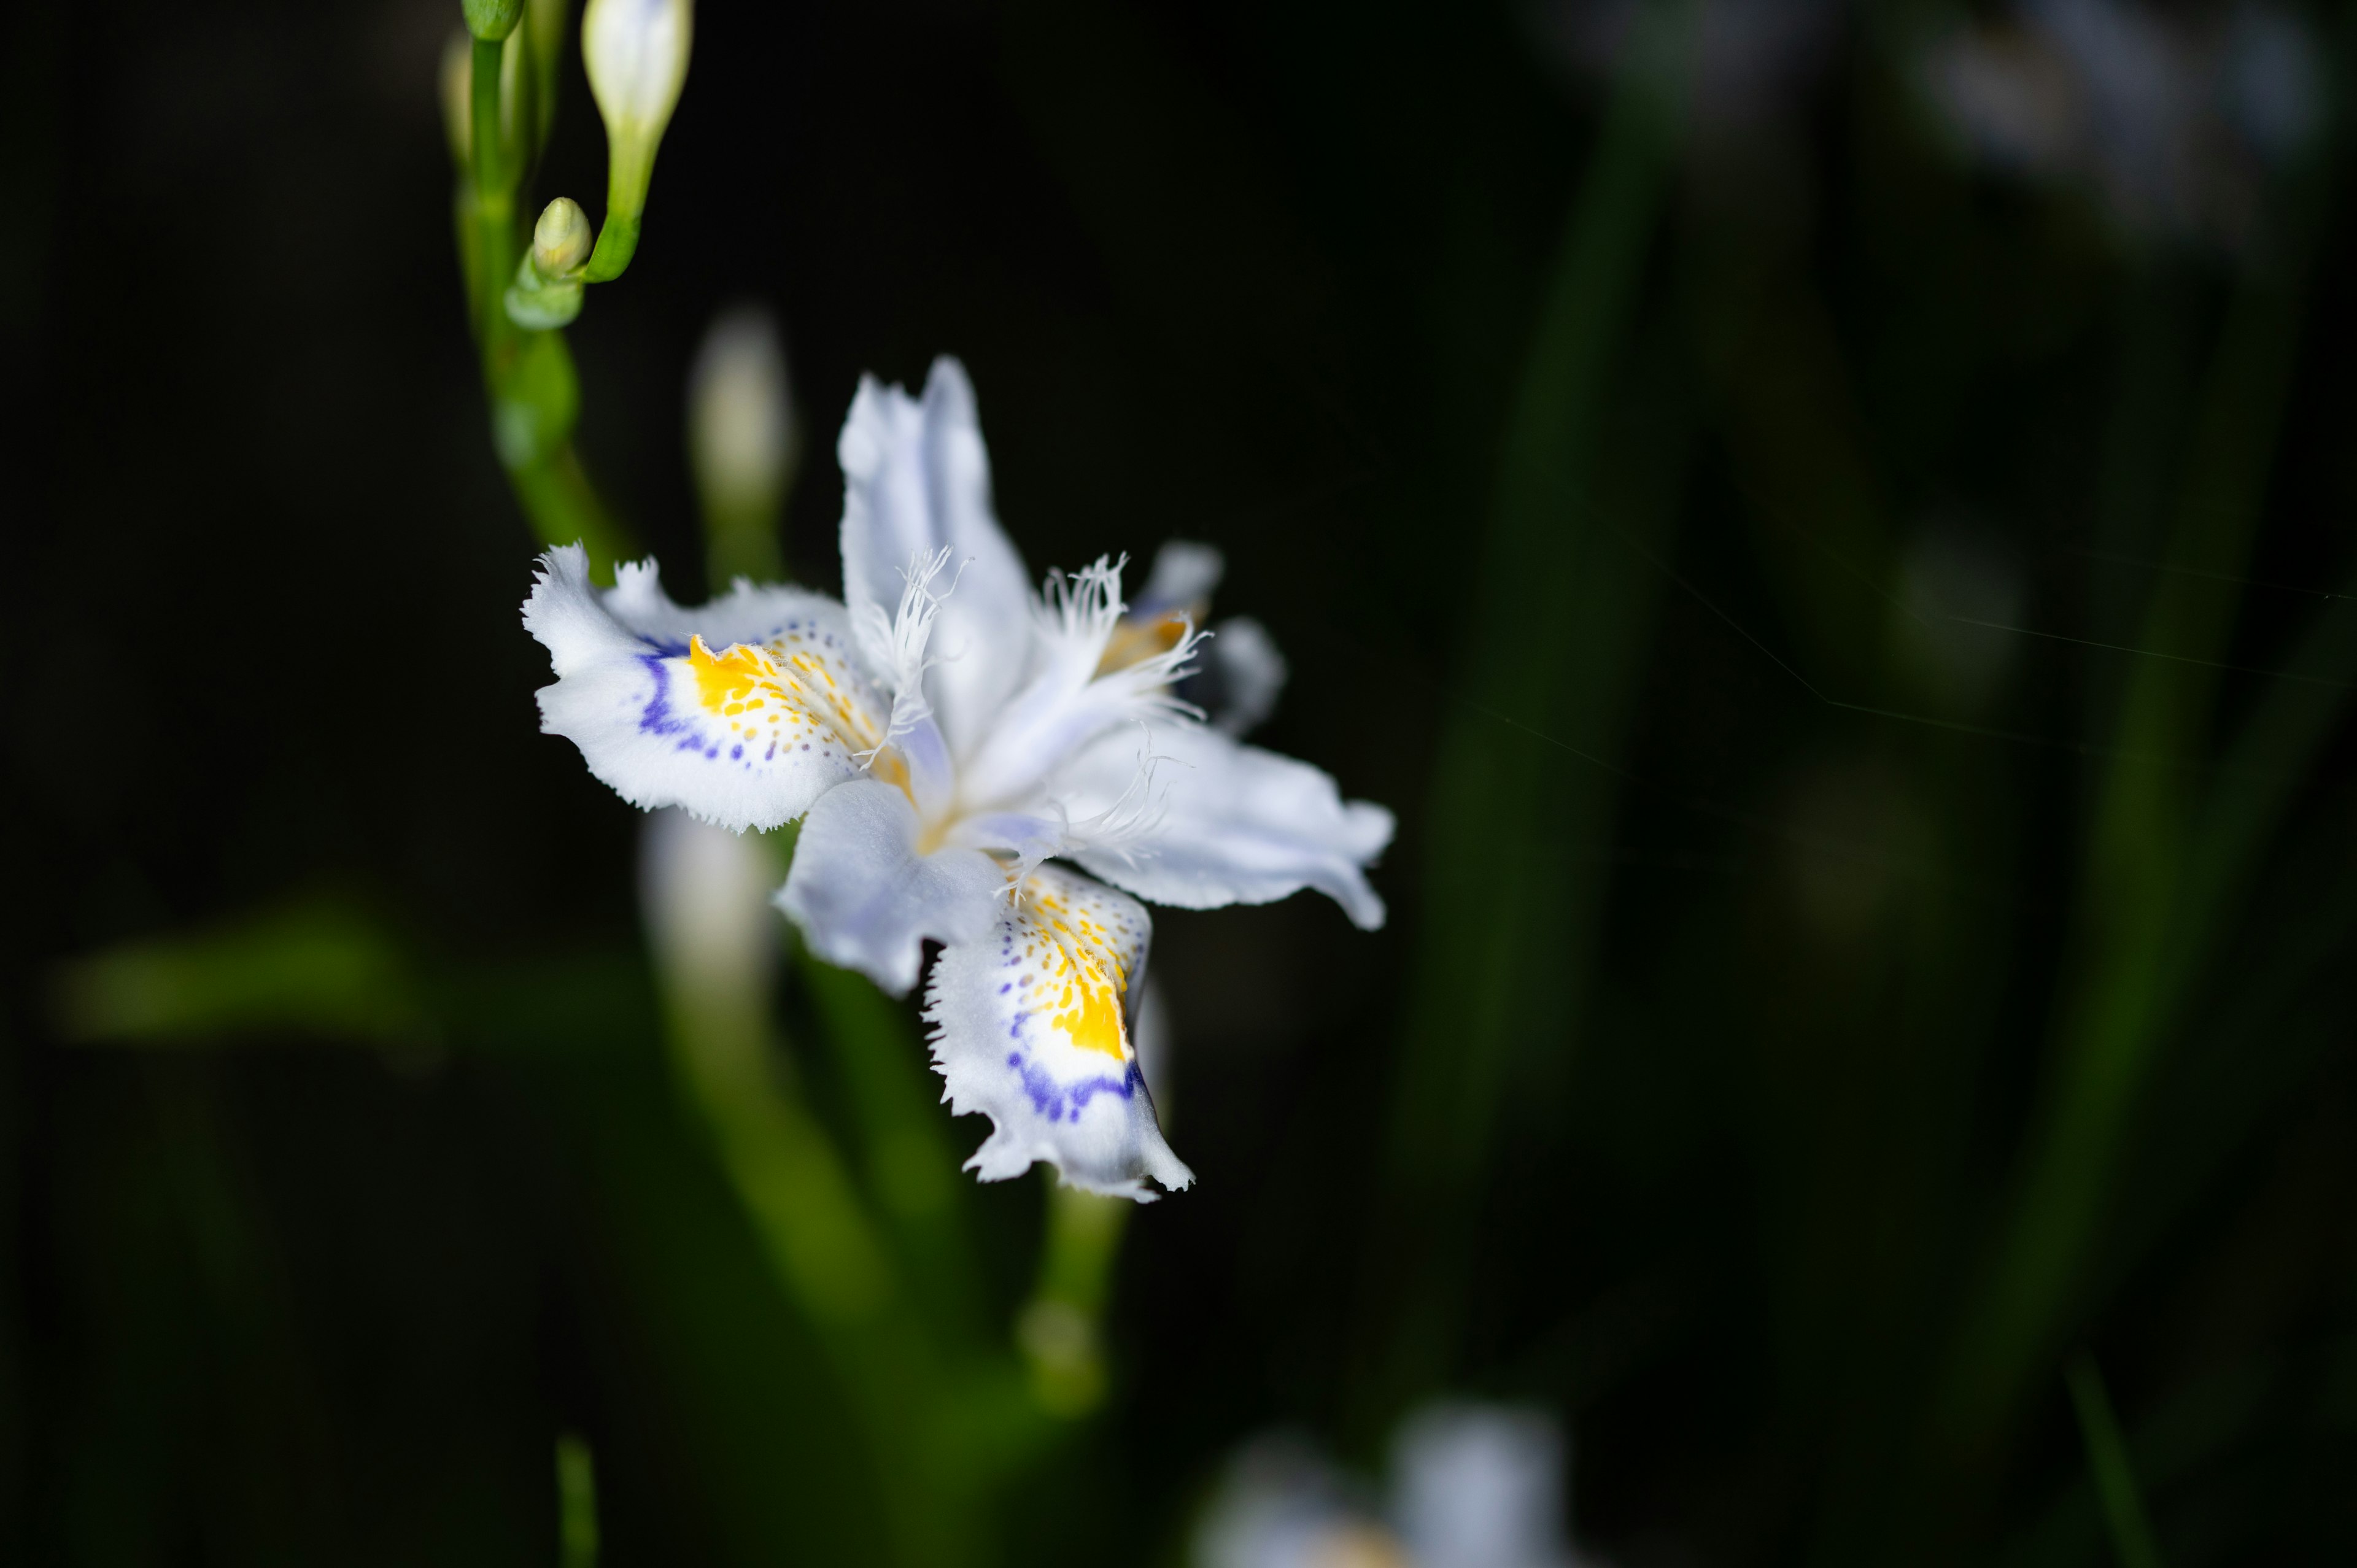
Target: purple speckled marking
[(1047, 1097), (657, 718)]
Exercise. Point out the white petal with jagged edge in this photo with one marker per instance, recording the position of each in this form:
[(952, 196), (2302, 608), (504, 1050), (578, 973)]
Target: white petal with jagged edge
[(742, 712), (1228, 823), (916, 480), (1032, 1028), (866, 899)]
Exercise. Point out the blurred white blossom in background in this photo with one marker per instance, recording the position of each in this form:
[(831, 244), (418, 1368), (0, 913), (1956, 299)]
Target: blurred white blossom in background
[(1470, 1486), (1750, 60), (742, 436), (2172, 119)]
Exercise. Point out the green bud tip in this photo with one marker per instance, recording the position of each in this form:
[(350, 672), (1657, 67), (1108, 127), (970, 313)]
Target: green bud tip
[(561, 240), (493, 20)]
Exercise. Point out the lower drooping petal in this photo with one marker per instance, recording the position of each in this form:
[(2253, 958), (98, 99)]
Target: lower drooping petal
[(866, 899), (743, 711), (1231, 824), (1033, 1028)]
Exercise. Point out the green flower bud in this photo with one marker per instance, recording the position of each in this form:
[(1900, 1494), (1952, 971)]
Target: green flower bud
[(493, 20), (561, 240), (636, 53)]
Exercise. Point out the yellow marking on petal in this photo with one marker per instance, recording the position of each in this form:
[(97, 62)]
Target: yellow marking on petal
[(1089, 1009), (889, 766), (1135, 640), (730, 677), (745, 678)]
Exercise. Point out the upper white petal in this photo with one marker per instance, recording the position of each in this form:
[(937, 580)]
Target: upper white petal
[(865, 898), (916, 480), (1233, 824), (1033, 1027), (746, 728)]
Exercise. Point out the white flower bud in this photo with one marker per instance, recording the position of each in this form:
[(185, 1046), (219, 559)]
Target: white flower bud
[(740, 425), (561, 240), (636, 54)]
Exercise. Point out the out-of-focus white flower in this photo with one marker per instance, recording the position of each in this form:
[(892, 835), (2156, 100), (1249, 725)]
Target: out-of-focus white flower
[(1479, 1487), (1745, 60), (740, 420), (636, 54), (948, 736), (705, 893), (1282, 1506), (1472, 1487), (2172, 119)]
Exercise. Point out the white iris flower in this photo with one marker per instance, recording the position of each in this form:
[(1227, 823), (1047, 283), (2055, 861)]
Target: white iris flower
[(956, 746)]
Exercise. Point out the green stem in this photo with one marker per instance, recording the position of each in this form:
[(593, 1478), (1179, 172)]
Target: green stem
[(1511, 909), (2143, 936), (527, 377), (2107, 1459), (563, 507), (494, 198), (577, 1502), (1061, 1329)]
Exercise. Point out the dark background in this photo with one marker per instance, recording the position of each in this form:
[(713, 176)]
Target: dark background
[(1269, 276)]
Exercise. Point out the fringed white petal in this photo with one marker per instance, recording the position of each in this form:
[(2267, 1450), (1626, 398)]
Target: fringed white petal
[(743, 711), (1033, 1028), (917, 482), (1231, 824), (866, 899)]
